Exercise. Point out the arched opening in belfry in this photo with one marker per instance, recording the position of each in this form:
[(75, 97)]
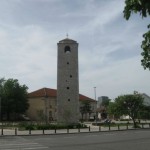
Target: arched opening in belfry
[(67, 49)]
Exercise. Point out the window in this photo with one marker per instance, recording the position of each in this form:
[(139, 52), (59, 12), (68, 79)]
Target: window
[(67, 49)]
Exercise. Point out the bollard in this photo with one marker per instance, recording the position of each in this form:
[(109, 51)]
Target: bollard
[(67, 130), (118, 127), (2, 132), (15, 131), (43, 131), (142, 125), (99, 128), (55, 129), (109, 127), (29, 131), (79, 129), (89, 129), (127, 126), (149, 125)]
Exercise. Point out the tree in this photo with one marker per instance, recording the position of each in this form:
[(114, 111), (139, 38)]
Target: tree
[(104, 106), (85, 108), (113, 110), (1, 93), (143, 7), (144, 113), (127, 105), (14, 98)]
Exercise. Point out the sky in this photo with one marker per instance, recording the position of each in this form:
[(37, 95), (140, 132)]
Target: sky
[(109, 46)]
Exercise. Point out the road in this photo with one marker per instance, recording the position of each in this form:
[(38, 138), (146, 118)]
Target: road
[(119, 140)]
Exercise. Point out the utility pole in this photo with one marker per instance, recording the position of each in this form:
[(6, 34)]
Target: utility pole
[(95, 92), (95, 100)]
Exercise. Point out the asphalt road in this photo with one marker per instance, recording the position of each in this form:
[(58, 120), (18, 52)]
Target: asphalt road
[(120, 140)]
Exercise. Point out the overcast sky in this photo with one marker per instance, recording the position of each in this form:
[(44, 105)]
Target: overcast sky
[(109, 46)]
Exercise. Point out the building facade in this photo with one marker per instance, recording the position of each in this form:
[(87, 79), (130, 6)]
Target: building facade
[(43, 105), (146, 99)]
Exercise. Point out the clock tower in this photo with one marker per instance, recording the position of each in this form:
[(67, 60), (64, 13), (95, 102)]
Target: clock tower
[(67, 82)]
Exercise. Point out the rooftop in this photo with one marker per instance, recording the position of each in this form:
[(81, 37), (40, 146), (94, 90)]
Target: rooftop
[(47, 92), (67, 40)]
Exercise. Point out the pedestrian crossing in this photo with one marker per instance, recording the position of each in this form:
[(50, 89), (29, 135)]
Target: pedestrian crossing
[(18, 143)]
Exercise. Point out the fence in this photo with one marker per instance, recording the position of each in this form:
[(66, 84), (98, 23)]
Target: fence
[(16, 131)]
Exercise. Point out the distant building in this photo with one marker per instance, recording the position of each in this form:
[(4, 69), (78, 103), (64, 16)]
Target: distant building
[(101, 99), (101, 109), (146, 99), (43, 105)]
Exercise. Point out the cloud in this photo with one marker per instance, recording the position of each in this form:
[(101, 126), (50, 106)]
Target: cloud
[(28, 55), (109, 46)]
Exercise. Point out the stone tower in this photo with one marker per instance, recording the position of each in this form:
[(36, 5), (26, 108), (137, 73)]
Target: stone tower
[(67, 82)]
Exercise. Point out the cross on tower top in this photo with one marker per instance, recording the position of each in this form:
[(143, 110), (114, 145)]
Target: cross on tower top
[(67, 35)]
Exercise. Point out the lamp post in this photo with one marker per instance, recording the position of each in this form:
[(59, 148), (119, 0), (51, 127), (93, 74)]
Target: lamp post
[(95, 92), (95, 100)]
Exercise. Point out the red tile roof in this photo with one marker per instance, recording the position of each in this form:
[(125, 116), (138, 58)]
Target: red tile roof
[(53, 93)]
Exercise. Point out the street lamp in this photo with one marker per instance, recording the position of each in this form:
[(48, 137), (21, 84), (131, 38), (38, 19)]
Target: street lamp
[(95, 99), (95, 92)]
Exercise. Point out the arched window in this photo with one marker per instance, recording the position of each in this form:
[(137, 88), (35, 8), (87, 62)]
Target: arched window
[(67, 49)]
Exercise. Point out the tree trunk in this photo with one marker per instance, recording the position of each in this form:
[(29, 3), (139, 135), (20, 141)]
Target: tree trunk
[(134, 123)]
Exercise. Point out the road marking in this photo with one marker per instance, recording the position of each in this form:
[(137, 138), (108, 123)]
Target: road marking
[(35, 148), (22, 146), (18, 144), (28, 148)]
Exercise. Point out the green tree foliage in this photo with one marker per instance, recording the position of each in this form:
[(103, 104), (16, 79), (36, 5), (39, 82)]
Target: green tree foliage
[(85, 108), (105, 104), (113, 110), (127, 105), (144, 113), (14, 98), (143, 7)]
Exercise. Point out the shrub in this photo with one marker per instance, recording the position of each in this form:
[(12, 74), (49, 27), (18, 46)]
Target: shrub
[(31, 126)]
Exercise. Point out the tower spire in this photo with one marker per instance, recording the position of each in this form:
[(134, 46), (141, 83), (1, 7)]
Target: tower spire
[(67, 35)]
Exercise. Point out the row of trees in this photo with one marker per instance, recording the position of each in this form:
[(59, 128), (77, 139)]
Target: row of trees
[(131, 105), (13, 99)]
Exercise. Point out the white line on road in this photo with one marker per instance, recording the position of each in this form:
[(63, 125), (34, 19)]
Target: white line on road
[(35, 148), (28, 148), (18, 144)]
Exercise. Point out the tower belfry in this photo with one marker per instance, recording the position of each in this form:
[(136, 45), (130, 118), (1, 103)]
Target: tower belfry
[(67, 82)]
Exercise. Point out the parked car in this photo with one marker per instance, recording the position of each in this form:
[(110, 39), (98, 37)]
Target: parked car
[(107, 121)]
